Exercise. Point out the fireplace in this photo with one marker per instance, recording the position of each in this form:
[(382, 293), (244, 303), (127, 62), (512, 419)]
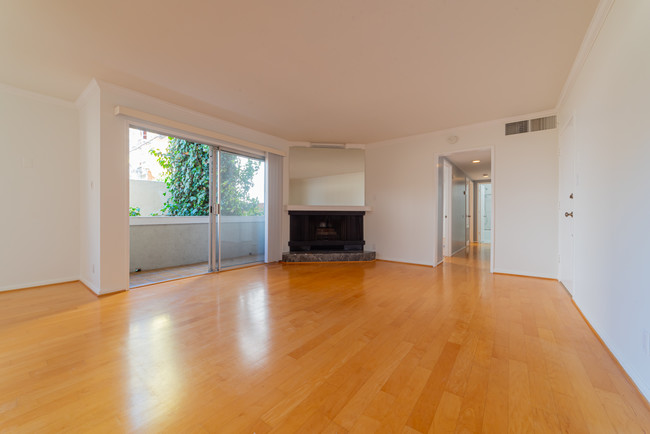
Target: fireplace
[(326, 231)]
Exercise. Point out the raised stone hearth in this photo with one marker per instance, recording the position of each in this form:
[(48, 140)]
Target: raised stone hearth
[(328, 256)]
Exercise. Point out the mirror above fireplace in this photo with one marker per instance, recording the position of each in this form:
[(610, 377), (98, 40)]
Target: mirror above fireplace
[(326, 176)]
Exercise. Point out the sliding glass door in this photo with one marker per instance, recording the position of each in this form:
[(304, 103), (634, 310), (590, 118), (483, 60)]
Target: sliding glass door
[(193, 207), (237, 220)]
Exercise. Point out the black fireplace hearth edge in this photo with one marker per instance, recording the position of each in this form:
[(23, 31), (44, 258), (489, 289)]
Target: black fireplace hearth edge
[(349, 256)]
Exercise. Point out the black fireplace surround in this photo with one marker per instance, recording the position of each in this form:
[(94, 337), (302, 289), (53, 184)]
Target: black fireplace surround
[(326, 231)]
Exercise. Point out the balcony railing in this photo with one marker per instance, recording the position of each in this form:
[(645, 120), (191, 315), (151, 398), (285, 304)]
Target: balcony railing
[(164, 241)]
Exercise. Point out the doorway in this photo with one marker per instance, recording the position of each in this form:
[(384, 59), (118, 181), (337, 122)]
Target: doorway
[(194, 208), (447, 210), (460, 175)]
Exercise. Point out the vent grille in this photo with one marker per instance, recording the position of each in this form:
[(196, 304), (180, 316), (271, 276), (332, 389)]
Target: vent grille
[(516, 128), (547, 123), (539, 124)]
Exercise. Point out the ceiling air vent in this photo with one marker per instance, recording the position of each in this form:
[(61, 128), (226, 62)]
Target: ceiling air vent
[(547, 123), (516, 128)]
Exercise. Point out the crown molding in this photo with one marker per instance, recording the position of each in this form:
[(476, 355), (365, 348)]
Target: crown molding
[(596, 25), (92, 86), (6, 88)]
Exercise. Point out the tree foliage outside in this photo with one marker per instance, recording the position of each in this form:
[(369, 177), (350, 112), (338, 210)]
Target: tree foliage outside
[(186, 167), (236, 182)]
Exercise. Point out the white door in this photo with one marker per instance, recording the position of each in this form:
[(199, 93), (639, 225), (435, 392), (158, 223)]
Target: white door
[(566, 204), (446, 214), (485, 215)]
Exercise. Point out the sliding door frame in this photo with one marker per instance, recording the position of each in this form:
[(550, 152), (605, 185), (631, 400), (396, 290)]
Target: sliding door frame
[(214, 227), (216, 153)]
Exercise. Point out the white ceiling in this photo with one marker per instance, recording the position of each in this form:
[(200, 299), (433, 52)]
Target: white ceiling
[(463, 160), (346, 71)]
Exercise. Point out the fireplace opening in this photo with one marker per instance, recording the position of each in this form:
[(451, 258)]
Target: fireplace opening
[(326, 230)]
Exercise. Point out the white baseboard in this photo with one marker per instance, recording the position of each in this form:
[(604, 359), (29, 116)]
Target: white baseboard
[(457, 251), (639, 381), (403, 261), (523, 273), (39, 283), (90, 286)]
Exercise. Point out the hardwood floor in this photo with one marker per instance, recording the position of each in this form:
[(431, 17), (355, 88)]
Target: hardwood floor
[(363, 347)]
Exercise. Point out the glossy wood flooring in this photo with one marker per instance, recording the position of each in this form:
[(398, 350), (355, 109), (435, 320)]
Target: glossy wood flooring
[(363, 347)]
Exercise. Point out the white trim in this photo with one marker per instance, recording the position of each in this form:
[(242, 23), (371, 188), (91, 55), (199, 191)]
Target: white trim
[(523, 273), (90, 286), (6, 88), (493, 208), (83, 97), (126, 192), (213, 120), (40, 283), (458, 251), (159, 120), (447, 203), (636, 377), (596, 25), (454, 130), (327, 208), (403, 261)]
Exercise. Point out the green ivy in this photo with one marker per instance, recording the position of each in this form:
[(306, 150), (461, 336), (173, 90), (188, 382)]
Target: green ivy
[(236, 181), (186, 172), (134, 211)]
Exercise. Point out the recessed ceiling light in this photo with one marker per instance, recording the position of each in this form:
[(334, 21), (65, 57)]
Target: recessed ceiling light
[(476, 161), (485, 175)]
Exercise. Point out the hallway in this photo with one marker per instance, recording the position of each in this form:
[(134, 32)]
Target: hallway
[(360, 347)]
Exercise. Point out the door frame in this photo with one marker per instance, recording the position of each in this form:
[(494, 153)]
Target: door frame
[(447, 190), (438, 255), (214, 145), (469, 185), (567, 182), (218, 223)]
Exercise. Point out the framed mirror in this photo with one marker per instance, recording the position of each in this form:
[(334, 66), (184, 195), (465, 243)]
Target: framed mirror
[(326, 176)]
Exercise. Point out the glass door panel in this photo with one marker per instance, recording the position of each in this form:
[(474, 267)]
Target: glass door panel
[(241, 226), (169, 198)]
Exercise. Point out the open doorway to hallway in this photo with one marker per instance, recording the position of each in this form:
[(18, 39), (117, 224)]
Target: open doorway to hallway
[(465, 202)]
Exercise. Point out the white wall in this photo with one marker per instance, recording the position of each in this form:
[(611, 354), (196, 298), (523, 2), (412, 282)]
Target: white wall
[(344, 189), (149, 196), (524, 197), (39, 181), (401, 188), (114, 166), (89, 186), (611, 104)]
